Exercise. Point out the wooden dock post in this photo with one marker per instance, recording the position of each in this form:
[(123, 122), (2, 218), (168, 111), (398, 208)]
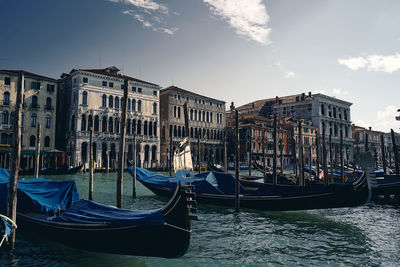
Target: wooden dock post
[(331, 158), (309, 161), (396, 152), (281, 155), (171, 153), (301, 160), (237, 160), (134, 166), (366, 142), (16, 154), (249, 136), (121, 157), (324, 158), (294, 157), (91, 164), (199, 152), (263, 155), (37, 162), (383, 154), (225, 152), (317, 155), (274, 161), (341, 157)]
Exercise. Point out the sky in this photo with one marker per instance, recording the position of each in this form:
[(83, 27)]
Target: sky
[(233, 50)]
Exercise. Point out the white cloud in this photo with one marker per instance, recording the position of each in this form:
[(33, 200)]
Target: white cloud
[(387, 64), (384, 121), (249, 18), (290, 74), (339, 92), (151, 14)]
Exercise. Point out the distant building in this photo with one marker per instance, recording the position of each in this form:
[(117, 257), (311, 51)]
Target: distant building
[(206, 119), (39, 106), (93, 98), (329, 114)]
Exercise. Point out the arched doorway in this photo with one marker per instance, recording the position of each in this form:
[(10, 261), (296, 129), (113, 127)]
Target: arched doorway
[(104, 156), (84, 149), (153, 155), (146, 155)]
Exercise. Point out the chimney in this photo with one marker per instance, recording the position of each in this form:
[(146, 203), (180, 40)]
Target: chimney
[(370, 128), (303, 95), (276, 99), (309, 94), (232, 106), (252, 105)]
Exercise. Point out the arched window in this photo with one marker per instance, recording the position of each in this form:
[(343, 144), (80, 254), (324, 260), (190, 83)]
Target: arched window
[(208, 116), (84, 98), (110, 125), (133, 126), (133, 105), (154, 108), (175, 131), (6, 98), (174, 111), (322, 110), (104, 124), (117, 125), (116, 102), (191, 114), (204, 116), (3, 138), (179, 112), (110, 101), (48, 103), (47, 122), (129, 104), (195, 115), (32, 141), (334, 112), (150, 128), (139, 106), (4, 117), (191, 132), (33, 120), (96, 123), (139, 127), (145, 128), (83, 122), (90, 123), (179, 131), (211, 117), (12, 119), (104, 101), (47, 141), (155, 128), (34, 102)]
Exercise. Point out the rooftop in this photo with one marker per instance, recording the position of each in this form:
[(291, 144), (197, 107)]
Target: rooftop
[(180, 90), (27, 73)]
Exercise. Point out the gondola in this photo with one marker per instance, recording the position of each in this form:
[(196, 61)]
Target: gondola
[(53, 171), (218, 189), (92, 226)]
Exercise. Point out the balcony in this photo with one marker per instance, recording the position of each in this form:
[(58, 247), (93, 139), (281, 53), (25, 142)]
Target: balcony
[(34, 106), (6, 127), (49, 108)]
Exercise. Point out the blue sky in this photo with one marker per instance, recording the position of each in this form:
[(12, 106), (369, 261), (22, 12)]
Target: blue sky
[(232, 50)]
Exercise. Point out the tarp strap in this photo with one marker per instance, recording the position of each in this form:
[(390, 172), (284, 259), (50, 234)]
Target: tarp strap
[(177, 227)]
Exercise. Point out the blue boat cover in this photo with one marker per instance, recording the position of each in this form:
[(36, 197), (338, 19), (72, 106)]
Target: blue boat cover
[(89, 212), (39, 195), (204, 183)]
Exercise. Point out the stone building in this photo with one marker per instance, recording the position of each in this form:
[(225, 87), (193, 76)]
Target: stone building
[(374, 143), (39, 107), (206, 119), (93, 98), (329, 114)]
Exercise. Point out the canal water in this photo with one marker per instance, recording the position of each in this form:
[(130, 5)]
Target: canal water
[(362, 236)]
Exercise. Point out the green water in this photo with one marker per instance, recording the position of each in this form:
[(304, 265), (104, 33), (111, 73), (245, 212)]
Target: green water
[(367, 235)]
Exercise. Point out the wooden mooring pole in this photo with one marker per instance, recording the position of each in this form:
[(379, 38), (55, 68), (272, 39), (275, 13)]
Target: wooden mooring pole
[(317, 155), (383, 154), (263, 155), (134, 166), (37, 163), (237, 160), (225, 152), (15, 158), (171, 153), (301, 160), (331, 158), (274, 161), (121, 157), (324, 159), (91, 164), (281, 154), (199, 152), (396, 152), (249, 136), (341, 157)]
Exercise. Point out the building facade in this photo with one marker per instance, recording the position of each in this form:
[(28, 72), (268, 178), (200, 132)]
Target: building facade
[(92, 98), (39, 107), (206, 120), (329, 114)]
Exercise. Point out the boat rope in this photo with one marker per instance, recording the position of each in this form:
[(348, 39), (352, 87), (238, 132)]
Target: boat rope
[(177, 227)]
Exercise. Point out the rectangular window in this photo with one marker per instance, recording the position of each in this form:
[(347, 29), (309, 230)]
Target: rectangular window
[(35, 85), (7, 81), (139, 90), (133, 89), (122, 86), (104, 83), (50, 88), (111, 85), (85, 80), (155, 93)]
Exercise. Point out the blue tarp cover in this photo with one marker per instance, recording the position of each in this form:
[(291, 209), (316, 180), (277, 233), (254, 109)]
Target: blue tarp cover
[(204, 183), (39, 195), (89, 212)]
